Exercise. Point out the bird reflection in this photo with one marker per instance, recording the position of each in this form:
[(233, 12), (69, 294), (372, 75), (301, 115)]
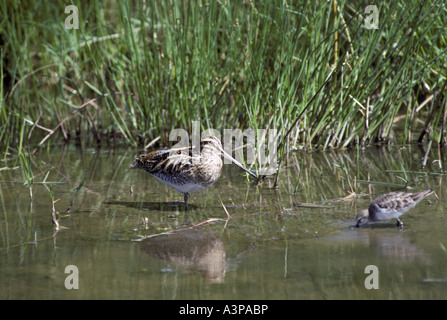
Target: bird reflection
[(198, 250), (393, 245)]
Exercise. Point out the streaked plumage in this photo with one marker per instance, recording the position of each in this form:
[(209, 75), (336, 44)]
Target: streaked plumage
[(184, 171), (391, 206)]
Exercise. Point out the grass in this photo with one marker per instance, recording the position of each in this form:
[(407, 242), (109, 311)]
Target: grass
[(136, 70)]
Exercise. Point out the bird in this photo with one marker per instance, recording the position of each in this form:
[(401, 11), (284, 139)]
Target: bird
[(185, 171), (391, 206)]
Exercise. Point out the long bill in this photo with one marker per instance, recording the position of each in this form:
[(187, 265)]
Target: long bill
[(226, 155)]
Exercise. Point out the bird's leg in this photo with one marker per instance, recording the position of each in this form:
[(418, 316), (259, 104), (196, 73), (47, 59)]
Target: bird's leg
[(186, 196), (399, 223)]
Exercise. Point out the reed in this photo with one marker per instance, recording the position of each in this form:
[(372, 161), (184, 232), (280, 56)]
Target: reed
[(135, 70)]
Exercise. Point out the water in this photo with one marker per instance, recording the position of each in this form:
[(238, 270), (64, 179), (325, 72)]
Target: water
[(128, 241)]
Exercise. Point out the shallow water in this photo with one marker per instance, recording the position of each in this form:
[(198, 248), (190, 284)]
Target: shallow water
[(129, 241)]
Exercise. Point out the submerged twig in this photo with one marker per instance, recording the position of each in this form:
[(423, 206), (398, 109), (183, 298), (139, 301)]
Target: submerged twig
[(225, 209), (182, 229)]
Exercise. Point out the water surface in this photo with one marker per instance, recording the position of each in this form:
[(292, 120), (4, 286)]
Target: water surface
[(129, 241)]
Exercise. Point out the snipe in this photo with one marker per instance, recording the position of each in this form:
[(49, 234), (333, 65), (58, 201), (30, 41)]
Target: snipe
[(186, 172), (391, 206)]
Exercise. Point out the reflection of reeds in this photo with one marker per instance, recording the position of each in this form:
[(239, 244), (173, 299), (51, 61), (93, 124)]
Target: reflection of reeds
[(75, 192), (27, 172), (326, 176), (323, 181), (53, 208)]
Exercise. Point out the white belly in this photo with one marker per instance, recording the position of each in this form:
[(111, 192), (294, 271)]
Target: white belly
[(187, 187)]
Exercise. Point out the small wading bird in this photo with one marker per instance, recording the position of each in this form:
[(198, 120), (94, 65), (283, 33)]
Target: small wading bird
[(184, 172), (391, 206)]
